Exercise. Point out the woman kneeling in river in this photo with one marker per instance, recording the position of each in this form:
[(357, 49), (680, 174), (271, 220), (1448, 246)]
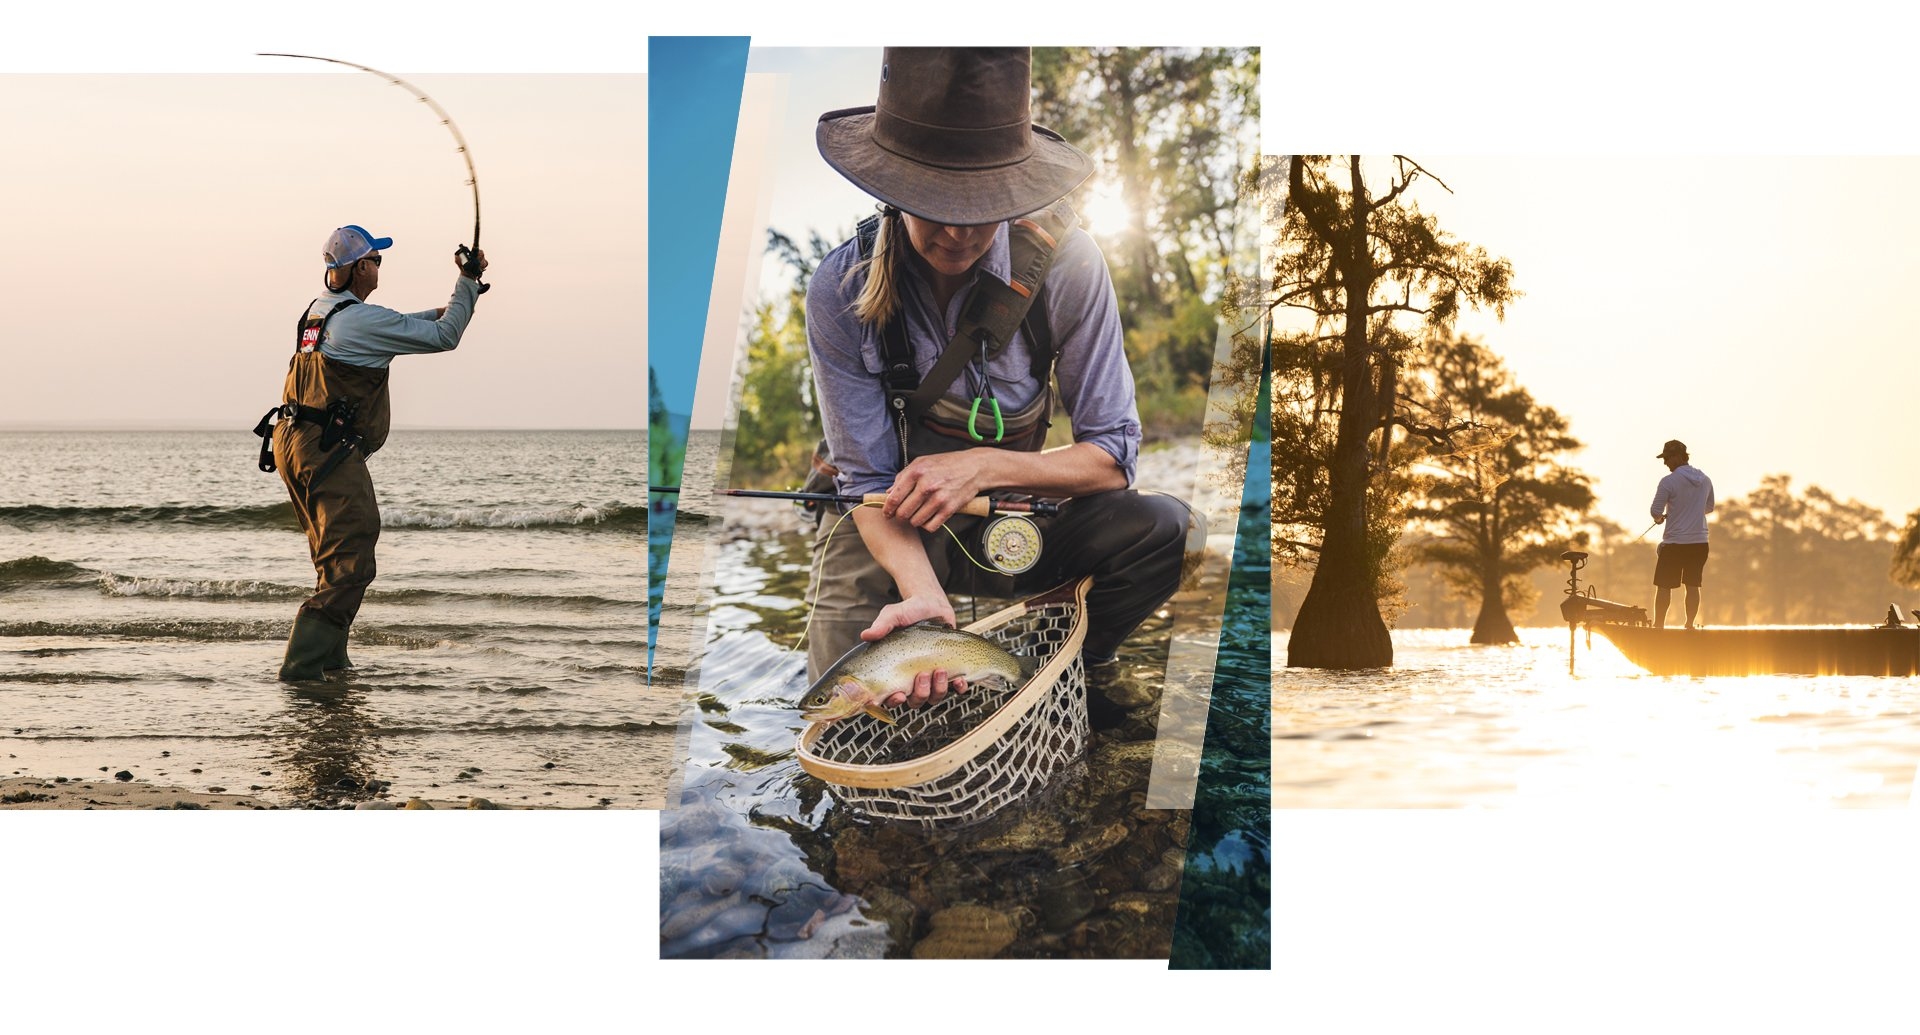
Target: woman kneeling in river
[(935, 387)]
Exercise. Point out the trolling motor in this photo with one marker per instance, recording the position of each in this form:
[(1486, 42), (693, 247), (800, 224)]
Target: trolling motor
[(1582, 607)]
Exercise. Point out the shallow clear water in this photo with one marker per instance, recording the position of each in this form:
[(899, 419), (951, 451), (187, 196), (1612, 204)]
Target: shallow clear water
[(1226, 894), (1453, 725), (759, 861), (147, 581)]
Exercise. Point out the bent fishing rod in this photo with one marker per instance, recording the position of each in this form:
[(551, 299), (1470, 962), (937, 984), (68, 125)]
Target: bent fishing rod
[(469, 253), (979, 506)]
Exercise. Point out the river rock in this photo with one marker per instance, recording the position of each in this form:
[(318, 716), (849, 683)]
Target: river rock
[(722, 878), (893, 913), (1030, 830), (968, 932), (1126, 690), (1089, 844), (689, 914), (1161, 878)]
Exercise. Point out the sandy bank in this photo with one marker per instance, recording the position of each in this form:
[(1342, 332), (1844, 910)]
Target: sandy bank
[(32, 792)]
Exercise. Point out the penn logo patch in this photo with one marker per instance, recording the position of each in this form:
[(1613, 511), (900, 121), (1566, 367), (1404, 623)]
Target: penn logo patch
[(309, 339)]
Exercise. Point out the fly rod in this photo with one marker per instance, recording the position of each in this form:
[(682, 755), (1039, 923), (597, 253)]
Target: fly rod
[(469, 253), (979, 506)]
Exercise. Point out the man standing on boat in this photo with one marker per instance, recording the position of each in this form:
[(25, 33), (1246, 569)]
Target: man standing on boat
[(1681, 503)]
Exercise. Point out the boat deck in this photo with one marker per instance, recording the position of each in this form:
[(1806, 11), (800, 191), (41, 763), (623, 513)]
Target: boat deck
[(1818, 651)]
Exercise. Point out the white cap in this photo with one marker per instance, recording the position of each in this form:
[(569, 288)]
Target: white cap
[(350, 244)]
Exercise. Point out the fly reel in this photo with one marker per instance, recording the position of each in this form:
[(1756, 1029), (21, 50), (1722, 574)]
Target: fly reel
[(1011, 543)]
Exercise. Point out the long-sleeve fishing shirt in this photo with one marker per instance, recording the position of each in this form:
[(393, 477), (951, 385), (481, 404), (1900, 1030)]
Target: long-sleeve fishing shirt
[(1685, 497), (368, 335), (1096, 384)]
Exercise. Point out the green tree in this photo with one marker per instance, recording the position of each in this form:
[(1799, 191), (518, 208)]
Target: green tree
[(1786, 557), (779, 425), (1905, 568), (1359, 265), (665, 451), (1173, 133), (1504, 502)]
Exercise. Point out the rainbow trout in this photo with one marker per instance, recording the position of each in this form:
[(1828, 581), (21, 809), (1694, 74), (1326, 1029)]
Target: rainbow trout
[(875, 670)]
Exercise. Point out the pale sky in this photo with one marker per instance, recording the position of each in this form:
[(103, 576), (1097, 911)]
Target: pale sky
[(1756, 308), (165, 232), (778, 180)]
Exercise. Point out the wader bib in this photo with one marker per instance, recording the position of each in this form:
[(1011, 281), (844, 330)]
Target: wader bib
[(1131, 542), (334, 415)]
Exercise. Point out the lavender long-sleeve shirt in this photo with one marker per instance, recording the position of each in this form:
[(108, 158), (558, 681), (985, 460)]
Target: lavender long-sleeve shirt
[(1685, 498), (1096, 384)]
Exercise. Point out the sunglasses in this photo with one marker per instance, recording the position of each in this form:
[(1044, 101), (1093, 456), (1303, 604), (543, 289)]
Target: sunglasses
[(374, 258)]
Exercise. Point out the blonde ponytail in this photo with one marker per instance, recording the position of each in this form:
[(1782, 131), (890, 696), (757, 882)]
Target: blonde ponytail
[(880, 297)]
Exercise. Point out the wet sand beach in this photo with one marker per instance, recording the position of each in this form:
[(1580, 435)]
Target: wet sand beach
[(32, 792)]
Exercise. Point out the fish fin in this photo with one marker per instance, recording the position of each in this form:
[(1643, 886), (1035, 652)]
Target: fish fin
[(880, 713), (1028, 666)]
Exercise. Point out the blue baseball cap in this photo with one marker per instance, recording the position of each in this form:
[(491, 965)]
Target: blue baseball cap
[(350, 244)]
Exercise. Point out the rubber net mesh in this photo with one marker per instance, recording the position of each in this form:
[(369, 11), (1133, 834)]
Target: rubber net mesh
[(1050, 736)]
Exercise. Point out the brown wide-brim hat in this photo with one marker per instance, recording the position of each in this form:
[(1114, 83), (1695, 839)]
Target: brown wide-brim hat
[(952, 138)]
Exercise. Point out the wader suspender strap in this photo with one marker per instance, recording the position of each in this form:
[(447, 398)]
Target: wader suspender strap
[(987, 324), (293, 411)]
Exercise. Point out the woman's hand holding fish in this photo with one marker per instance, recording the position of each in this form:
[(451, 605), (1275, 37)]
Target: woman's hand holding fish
[(928, 687)]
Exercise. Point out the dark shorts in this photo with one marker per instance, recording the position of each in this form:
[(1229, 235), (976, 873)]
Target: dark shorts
[(1680, 562)]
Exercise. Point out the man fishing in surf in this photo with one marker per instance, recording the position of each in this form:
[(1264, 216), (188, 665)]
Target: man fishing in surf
[(334, 413)]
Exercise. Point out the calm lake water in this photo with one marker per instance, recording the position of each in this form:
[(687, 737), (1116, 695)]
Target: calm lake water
[(147, 582), (1453, 725), (759, 861)]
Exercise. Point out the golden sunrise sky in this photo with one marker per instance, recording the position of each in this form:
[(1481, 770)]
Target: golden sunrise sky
[(1761, 309), (165, 231)]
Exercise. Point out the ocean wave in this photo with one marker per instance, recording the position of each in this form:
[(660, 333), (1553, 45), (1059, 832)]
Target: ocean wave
[(27, 570), (543, 600), (632, 726), (220, 589), (68, 677), (611, 516), (39, 569), (222, 631), (278, 515)]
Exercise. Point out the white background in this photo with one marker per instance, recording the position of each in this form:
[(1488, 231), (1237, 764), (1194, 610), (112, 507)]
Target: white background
[(1523, 921)]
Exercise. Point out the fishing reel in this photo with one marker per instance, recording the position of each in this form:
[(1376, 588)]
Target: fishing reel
[(471, 266), (1011, 543)]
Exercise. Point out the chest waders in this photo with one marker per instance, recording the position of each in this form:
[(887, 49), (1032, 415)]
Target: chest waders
[(925, 419), (331, 417)]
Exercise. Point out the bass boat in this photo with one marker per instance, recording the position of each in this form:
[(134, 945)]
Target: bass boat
[(1891, 649)]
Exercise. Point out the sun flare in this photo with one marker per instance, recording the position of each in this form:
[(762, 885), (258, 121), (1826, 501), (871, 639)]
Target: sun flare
[(1104, 209)]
